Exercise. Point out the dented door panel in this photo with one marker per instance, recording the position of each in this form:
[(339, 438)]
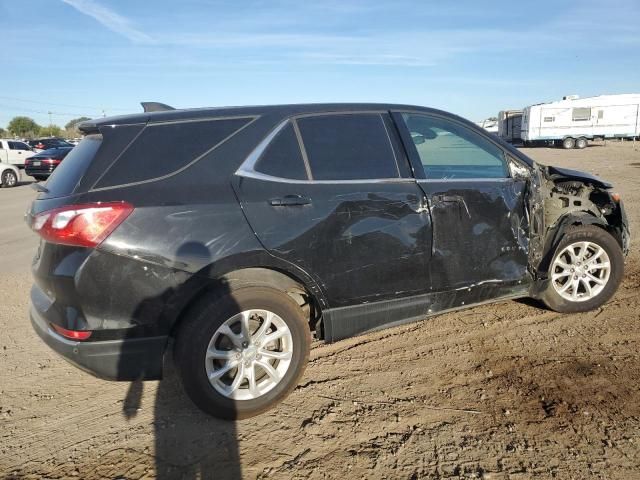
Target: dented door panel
[(480, 232)]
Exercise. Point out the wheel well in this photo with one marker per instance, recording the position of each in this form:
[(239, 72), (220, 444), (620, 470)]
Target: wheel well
[(268, 277), (576, 221)]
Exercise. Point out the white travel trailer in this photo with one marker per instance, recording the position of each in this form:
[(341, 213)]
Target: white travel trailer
[(572, 121), (509, 125)]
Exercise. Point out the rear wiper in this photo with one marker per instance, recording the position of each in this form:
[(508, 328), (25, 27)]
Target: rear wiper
[(39, 188)]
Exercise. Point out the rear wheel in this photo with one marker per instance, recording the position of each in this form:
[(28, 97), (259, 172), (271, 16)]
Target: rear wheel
[(585, 272), (568, 143), (9, 178), (243, 352), (581, 143)]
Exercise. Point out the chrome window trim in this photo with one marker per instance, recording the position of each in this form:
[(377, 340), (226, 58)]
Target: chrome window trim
[(270, 178)]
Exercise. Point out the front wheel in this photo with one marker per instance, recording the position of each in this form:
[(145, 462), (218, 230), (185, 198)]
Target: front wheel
[(9, 178), (242, 353), (585, 272)]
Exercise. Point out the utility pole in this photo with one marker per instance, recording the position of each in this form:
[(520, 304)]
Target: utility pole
[(50, 123)]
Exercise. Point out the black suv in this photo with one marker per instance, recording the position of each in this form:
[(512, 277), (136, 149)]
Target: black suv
[(232, 234)]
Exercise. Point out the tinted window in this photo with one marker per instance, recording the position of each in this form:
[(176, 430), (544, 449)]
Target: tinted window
[(283, 158), (18, 146), (348, 147), (162, 149), (65, 178), (450, 150)]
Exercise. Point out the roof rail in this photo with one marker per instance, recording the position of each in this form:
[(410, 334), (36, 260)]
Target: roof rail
[(155, 107)]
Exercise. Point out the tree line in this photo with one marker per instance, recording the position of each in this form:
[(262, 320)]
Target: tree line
[(25, 127)]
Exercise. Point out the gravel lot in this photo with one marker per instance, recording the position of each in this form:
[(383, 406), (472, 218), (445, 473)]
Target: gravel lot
[(504, 391)]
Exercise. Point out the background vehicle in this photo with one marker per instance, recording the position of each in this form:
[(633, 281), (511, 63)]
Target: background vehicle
[(259, 225), (9, 175), (573, 121), (41, 165), (510, 125), (41, 144), (14, 152)]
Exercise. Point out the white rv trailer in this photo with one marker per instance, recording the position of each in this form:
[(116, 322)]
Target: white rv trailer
[(572, 121), (509, 125)]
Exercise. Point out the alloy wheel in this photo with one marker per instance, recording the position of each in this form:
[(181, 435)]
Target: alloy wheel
[(249, 354), (580, 271)]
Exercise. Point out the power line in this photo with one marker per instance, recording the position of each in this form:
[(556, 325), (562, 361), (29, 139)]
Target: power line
[(46, 112), (61, 104)]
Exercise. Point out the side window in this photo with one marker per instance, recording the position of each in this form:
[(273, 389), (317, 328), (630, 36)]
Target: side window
[(348, 147), (282, 157), (581, 114), (164, 148), (18, 146), (449, 150)]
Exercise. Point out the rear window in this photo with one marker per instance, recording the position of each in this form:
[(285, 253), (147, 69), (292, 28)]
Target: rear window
[(65, 178), (163, 149), (348, 147), (283, 158)]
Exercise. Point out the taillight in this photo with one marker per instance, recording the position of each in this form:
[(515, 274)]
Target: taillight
[(81, 225), (72, 334), (51, 161)]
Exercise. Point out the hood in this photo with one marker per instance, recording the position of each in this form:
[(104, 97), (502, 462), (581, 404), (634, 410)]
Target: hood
[(566, 173)]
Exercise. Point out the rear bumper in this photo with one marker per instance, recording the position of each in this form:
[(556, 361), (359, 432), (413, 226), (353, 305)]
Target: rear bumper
[(126, 359)]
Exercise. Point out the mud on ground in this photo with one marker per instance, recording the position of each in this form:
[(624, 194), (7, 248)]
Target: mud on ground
[(504, 391)]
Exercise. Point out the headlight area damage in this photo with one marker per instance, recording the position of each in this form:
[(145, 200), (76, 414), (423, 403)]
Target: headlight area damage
[(561, 199)]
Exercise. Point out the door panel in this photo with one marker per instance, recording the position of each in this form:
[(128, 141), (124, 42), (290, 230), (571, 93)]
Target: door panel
[(480, 232), (480, 228), (362, 241)]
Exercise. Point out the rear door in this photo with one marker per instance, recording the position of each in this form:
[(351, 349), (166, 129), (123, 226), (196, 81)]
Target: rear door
[(480, 229), (18, 152), (333, 194)]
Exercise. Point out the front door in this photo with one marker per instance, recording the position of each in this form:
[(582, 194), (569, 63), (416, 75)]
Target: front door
[(333, 194), (480, 229)]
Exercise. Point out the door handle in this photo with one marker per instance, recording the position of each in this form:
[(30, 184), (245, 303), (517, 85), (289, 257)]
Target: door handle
[(290, 200), (442, 198)]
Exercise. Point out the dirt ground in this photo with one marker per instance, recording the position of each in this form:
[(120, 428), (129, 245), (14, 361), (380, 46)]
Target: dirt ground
[(504, 391)]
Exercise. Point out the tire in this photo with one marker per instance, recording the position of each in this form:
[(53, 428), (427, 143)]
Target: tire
[(206, 329), (9, 178), (581, 300), (581, 143), (568, 143)]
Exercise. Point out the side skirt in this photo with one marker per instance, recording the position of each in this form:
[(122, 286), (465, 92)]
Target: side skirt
[(345, 322)]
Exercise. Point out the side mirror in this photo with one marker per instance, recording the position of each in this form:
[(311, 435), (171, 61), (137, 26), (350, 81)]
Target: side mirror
[(417, 138)]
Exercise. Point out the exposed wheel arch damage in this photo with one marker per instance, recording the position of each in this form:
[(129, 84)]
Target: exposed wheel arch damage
[(564, 199)]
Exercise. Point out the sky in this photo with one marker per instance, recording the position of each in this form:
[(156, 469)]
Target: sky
[(103, 57)]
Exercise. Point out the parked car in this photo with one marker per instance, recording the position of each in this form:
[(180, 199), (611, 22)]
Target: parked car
[(14, 152), (41, 165), (41, 144), (230, 235), (9, 175)]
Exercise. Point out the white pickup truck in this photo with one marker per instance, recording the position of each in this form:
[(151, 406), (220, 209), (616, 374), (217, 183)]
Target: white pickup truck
[(14, 152)]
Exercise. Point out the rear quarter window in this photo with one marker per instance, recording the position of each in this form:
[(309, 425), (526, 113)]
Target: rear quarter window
[(164, 149), (66, 176)]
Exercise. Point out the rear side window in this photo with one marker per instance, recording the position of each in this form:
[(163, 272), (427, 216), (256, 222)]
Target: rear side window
[(283, 158), (163, 149), (67, 175), (348, 147)]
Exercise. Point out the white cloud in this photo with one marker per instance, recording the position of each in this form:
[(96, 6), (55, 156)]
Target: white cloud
[(110, 19)]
